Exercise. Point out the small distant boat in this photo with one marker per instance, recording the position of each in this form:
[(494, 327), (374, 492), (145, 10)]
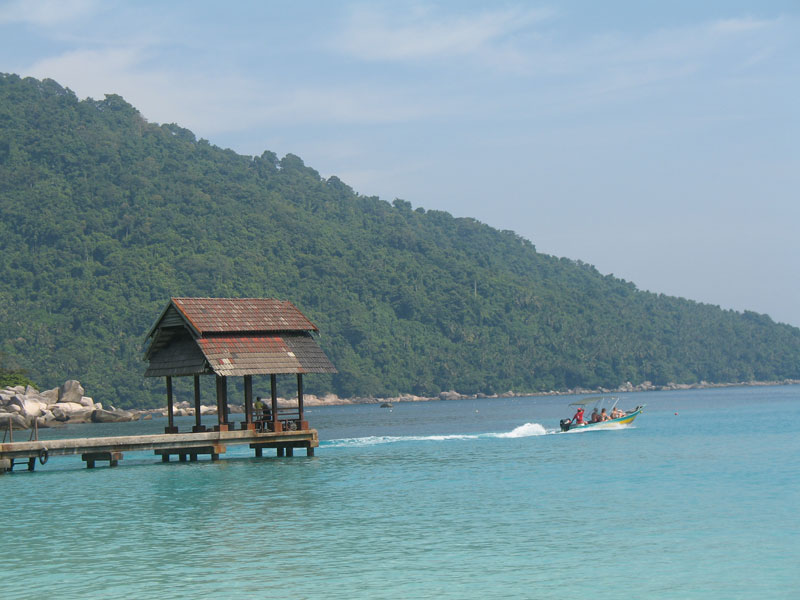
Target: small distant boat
[(386, 405), (626, 419)]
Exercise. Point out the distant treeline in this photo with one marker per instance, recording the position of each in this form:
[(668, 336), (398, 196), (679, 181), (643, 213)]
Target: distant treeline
[(106, 216)]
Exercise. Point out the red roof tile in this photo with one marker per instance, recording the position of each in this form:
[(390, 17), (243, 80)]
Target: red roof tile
[(254, 355), (224, 315)]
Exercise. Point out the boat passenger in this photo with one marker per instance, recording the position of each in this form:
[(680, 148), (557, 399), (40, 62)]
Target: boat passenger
[(595, 418), (578, 418), (617, 413), (604, 415)]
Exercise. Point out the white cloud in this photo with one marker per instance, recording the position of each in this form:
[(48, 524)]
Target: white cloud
[(735, 26), (559, 75), (92, 72), (211, 103), (45, 12), (375, 36)]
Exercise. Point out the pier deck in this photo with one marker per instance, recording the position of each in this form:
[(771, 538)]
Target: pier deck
[(183, 445)]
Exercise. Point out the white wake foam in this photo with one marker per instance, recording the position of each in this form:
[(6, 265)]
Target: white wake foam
[(526, 430), (608, 427)]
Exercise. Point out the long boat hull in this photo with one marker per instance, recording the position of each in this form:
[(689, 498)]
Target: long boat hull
[(627, 419)]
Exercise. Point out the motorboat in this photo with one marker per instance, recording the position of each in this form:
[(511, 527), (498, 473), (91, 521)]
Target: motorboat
[(626, 419)]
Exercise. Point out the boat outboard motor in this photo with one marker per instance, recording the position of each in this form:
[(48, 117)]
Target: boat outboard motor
[(565, 424)]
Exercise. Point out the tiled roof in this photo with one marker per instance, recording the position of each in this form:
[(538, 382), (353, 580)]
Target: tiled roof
[(180, 356), (256, 355), (232, 336), (210, 315)]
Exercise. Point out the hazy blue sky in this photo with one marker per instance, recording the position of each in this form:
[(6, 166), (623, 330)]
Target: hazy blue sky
[(658, 141)]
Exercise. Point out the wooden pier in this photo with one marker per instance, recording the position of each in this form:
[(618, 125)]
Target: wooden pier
[(185, 446), (221, 337)]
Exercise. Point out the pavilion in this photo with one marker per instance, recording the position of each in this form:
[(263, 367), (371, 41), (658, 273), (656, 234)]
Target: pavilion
[(235, 337)]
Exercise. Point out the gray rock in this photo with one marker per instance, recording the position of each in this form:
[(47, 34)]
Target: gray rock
[(30, 407), (17, 421), (47, 421), (71, 391), (68, 411), (51, 396), (109, 416), (84, 416)]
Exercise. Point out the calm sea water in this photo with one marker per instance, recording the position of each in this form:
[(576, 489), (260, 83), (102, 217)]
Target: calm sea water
[(465, 499)]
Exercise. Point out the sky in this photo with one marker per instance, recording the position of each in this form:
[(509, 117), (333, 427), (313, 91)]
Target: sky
[(658, 141)]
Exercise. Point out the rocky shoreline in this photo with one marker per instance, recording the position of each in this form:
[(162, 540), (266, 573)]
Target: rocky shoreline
[(24, 407)]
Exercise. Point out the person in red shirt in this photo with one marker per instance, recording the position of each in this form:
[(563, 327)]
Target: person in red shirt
[(578, 418)]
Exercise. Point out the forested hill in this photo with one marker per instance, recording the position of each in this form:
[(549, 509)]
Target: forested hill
[(106, 216)]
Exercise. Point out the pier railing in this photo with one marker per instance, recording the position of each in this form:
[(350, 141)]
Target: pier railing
[(286, 419)]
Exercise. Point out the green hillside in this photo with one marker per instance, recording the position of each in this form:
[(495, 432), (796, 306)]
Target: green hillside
[(105, 216)]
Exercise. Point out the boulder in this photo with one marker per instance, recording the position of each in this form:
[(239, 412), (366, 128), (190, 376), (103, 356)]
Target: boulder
[(15, 407), (51, 396), (68, 411), (83, 416), (329, 399), (87, 402), (71, 391), (48, 421), (111, 416), (451, 395), (16, 419), (29, 406)]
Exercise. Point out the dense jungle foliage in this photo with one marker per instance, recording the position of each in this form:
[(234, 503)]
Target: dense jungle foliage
[(106, 216)]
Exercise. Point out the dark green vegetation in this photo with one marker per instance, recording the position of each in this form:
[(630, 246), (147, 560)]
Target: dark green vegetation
[(12, 375), (105, 216)]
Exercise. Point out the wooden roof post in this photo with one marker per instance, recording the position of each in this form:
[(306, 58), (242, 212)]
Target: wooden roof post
[(198, 427), (273, 384), (301, 424), (248, 402), (222, 403), (225, 409), (170, 428)]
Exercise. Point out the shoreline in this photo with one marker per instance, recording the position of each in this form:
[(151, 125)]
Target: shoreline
[(310, 400), (185, 409), (25, 408)]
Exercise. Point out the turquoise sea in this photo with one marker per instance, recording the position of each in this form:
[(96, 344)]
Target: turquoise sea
[(459, 499)]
